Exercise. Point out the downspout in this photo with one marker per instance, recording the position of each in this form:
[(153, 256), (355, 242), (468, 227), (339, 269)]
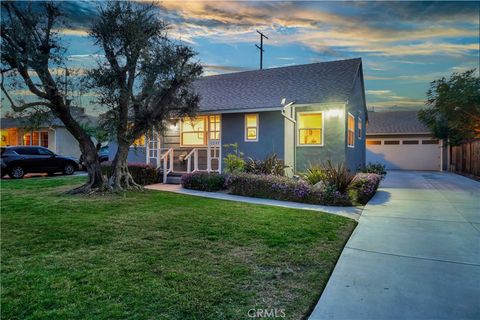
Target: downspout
[(292, 120)]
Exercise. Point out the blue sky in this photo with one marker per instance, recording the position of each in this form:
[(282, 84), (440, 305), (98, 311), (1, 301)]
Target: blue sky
[(404, 45)]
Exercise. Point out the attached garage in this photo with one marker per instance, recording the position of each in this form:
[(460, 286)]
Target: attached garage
[(401, 142)]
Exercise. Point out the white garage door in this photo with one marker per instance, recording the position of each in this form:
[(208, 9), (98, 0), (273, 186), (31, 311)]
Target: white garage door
[(405, 153)]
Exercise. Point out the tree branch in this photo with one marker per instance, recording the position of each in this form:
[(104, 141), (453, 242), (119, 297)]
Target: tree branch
[(24, 106)]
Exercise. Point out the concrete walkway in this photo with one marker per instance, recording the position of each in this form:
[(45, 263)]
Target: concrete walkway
[(414, 255), (350, 212)]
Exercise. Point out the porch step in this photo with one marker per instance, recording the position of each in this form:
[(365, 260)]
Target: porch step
[(171, 179)]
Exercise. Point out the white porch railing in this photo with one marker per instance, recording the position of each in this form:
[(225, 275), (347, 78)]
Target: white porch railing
[(167, 159), (193, 153)]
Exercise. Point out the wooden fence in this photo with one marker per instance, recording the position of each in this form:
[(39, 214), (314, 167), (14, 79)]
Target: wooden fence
[(465, 158)]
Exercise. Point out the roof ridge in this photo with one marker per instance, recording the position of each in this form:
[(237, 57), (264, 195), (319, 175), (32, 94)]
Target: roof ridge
[(281, 67)]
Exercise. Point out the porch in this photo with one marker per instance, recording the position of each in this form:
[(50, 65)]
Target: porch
[(189, 145)]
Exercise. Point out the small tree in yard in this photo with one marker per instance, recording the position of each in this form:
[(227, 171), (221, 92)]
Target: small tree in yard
[(145, 79), (31, 49), (454, 107)]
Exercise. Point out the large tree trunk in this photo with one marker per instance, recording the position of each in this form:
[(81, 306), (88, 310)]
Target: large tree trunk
[(121, 179), (91, 161), (96, 180)]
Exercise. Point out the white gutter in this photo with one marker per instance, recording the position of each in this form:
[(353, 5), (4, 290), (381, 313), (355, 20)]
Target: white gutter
[(398, 134), (241, 110)]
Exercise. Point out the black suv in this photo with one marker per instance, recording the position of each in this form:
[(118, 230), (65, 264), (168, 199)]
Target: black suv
[(17, 161)]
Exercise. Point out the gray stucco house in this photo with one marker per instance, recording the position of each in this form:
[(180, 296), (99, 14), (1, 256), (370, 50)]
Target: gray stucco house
[(305, 114)]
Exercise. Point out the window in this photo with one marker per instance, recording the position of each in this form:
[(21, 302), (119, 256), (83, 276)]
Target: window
[(410, 141), (44, 139), (374, 142), (193, 131), (27, 151), (36, 138), (44, 152), (351, 131), (214, 127), (139, 142), (391, 142), (429, 141), (359, 128), (310, 129), (251, 127)]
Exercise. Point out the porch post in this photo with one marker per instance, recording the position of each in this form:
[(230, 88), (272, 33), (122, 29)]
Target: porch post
[(147, 148)]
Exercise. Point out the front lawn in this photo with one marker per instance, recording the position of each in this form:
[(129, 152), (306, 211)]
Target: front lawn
[(157, 255)]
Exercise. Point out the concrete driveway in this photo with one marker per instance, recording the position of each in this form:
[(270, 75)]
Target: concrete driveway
[(414, 255)]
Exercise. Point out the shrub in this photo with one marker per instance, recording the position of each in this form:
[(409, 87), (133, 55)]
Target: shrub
[(314, 174), (143, 174), (363, 187), (282, 188), (234, 162), (377, 168), (203, 181), (271, 165), (335, 176)]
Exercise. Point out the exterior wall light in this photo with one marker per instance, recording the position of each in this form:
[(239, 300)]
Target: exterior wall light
[(333, 113)]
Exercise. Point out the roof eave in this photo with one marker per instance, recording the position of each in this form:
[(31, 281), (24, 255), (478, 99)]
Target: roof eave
[(240, 110)]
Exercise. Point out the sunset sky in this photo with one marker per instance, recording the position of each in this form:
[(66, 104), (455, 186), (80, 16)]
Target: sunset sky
[(404, 45)]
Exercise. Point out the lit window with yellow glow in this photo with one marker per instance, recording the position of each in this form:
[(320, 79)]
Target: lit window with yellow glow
[(251, 127), (139, 142), (36, 138), (193, 132), (310, 129), (214, 127), (351, 131)]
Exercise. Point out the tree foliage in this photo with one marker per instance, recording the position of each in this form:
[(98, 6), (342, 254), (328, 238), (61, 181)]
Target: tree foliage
[(453, 111), (31, 49), (145, 79)]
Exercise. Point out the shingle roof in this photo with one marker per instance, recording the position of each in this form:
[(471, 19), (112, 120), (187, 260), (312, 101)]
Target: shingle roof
[(389, 122), (308, 83), (20, 122)]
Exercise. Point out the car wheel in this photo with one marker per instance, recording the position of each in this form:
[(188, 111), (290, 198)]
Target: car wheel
[(16, 172), (69, 169)]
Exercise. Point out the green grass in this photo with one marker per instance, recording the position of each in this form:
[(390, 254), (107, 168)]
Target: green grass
[(158, 255)]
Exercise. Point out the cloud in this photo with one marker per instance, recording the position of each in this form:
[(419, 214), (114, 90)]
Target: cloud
[(385, 94), (210, 69), (383, 34)]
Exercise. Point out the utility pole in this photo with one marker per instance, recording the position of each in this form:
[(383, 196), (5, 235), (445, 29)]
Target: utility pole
[(261, 48)]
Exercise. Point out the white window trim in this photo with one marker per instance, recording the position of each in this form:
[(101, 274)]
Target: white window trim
[(245, 127), (359, 133), (348, 116), (297, 129), (205, 132)]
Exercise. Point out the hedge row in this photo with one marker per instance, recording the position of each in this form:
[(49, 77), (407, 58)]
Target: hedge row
[(360, 191)]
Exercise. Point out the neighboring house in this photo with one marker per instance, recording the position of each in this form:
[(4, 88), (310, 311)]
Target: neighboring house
[(305, 114), (398, 140), (51, 134)]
